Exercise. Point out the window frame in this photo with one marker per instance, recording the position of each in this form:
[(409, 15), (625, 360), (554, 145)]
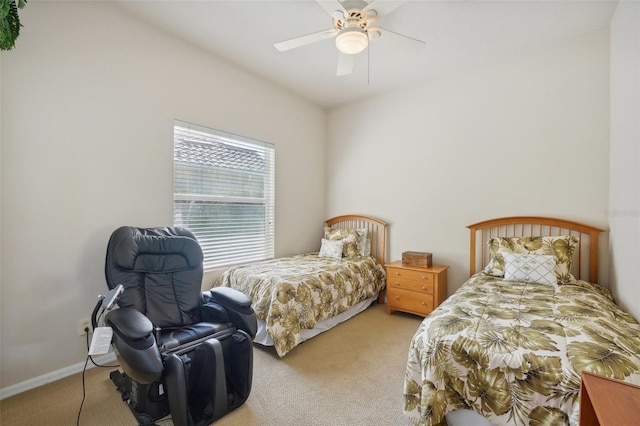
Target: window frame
[(224, 192)]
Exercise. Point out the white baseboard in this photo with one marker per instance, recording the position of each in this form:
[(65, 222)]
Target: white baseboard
[(53, 376)]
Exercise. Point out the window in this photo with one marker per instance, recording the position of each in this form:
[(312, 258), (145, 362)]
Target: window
[(224, 193)]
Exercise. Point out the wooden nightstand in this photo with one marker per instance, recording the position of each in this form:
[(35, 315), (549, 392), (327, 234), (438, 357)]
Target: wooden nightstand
[(415, 289), (608, 402)]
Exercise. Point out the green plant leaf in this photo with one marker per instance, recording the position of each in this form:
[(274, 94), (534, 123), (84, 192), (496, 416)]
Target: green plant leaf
[(10, 24)]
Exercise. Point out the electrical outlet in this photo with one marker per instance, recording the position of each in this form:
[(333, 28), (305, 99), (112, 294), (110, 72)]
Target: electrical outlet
[(84, 324)]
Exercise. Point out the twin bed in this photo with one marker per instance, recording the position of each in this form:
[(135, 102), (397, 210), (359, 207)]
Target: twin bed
[(298, 297), (511, 343)]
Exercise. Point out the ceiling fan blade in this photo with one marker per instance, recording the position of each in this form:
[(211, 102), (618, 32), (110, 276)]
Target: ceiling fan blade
[(383, 32), (331, 6), (345, 64), (383, 7), (305, 39)]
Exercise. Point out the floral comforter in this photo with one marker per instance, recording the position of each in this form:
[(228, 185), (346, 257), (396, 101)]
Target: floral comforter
[(513, 352), (293, 293)]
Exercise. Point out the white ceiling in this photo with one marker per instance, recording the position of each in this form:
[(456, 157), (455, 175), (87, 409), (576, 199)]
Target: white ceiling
[(458, 35)]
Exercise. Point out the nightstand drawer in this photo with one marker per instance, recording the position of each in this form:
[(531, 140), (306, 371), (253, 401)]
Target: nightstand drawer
[(408, 274), (410, 301), (426, 286), (415, 289)]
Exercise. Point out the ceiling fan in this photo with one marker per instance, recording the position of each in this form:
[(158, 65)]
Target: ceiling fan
[(351, 27)]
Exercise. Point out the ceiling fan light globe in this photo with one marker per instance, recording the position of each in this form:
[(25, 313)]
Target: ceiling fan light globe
[(352, 41)]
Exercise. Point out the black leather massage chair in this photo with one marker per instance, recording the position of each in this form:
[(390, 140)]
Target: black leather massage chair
[(184, 352)]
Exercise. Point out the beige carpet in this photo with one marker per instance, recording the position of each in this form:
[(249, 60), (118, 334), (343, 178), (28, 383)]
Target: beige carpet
[(350, 375)]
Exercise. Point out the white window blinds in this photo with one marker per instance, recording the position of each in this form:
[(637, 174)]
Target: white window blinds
[(224, 193)]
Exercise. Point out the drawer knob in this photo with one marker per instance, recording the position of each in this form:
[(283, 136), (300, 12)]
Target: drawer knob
[(423, 303), (397, 273), (396, 283), (424, 278), (397, 298), (424, 288)]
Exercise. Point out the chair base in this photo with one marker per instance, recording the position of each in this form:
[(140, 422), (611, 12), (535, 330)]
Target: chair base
[(146, 402), (197, 387)]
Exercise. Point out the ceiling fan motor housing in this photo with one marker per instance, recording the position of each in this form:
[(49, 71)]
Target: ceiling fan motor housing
[(352, 24)]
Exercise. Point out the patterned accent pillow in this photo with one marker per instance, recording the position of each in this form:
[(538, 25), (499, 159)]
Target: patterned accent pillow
[(530, 268), (364, 242), (562, 247), (348, 236), (331, 248)]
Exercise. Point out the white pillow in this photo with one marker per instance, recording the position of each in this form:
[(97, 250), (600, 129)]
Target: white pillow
[(331, 248), (530, 268)]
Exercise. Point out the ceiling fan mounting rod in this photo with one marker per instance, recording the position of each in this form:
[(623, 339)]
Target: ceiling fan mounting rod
[(354, 5), (354, 15)]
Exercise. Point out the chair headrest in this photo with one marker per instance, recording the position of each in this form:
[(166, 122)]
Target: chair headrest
[(155, 249)]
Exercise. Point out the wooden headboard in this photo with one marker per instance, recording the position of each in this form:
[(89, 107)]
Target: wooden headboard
[(377, 231), (585, 259)]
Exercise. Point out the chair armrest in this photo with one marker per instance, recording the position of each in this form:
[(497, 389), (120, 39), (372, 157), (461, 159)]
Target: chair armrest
[(228, 297), (213, 312), (130, 324), (237, 306), (135, 341)]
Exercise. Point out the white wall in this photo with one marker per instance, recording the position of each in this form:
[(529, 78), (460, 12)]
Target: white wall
[(86, 117), (89, 96), (525, 136), (624, 207)]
